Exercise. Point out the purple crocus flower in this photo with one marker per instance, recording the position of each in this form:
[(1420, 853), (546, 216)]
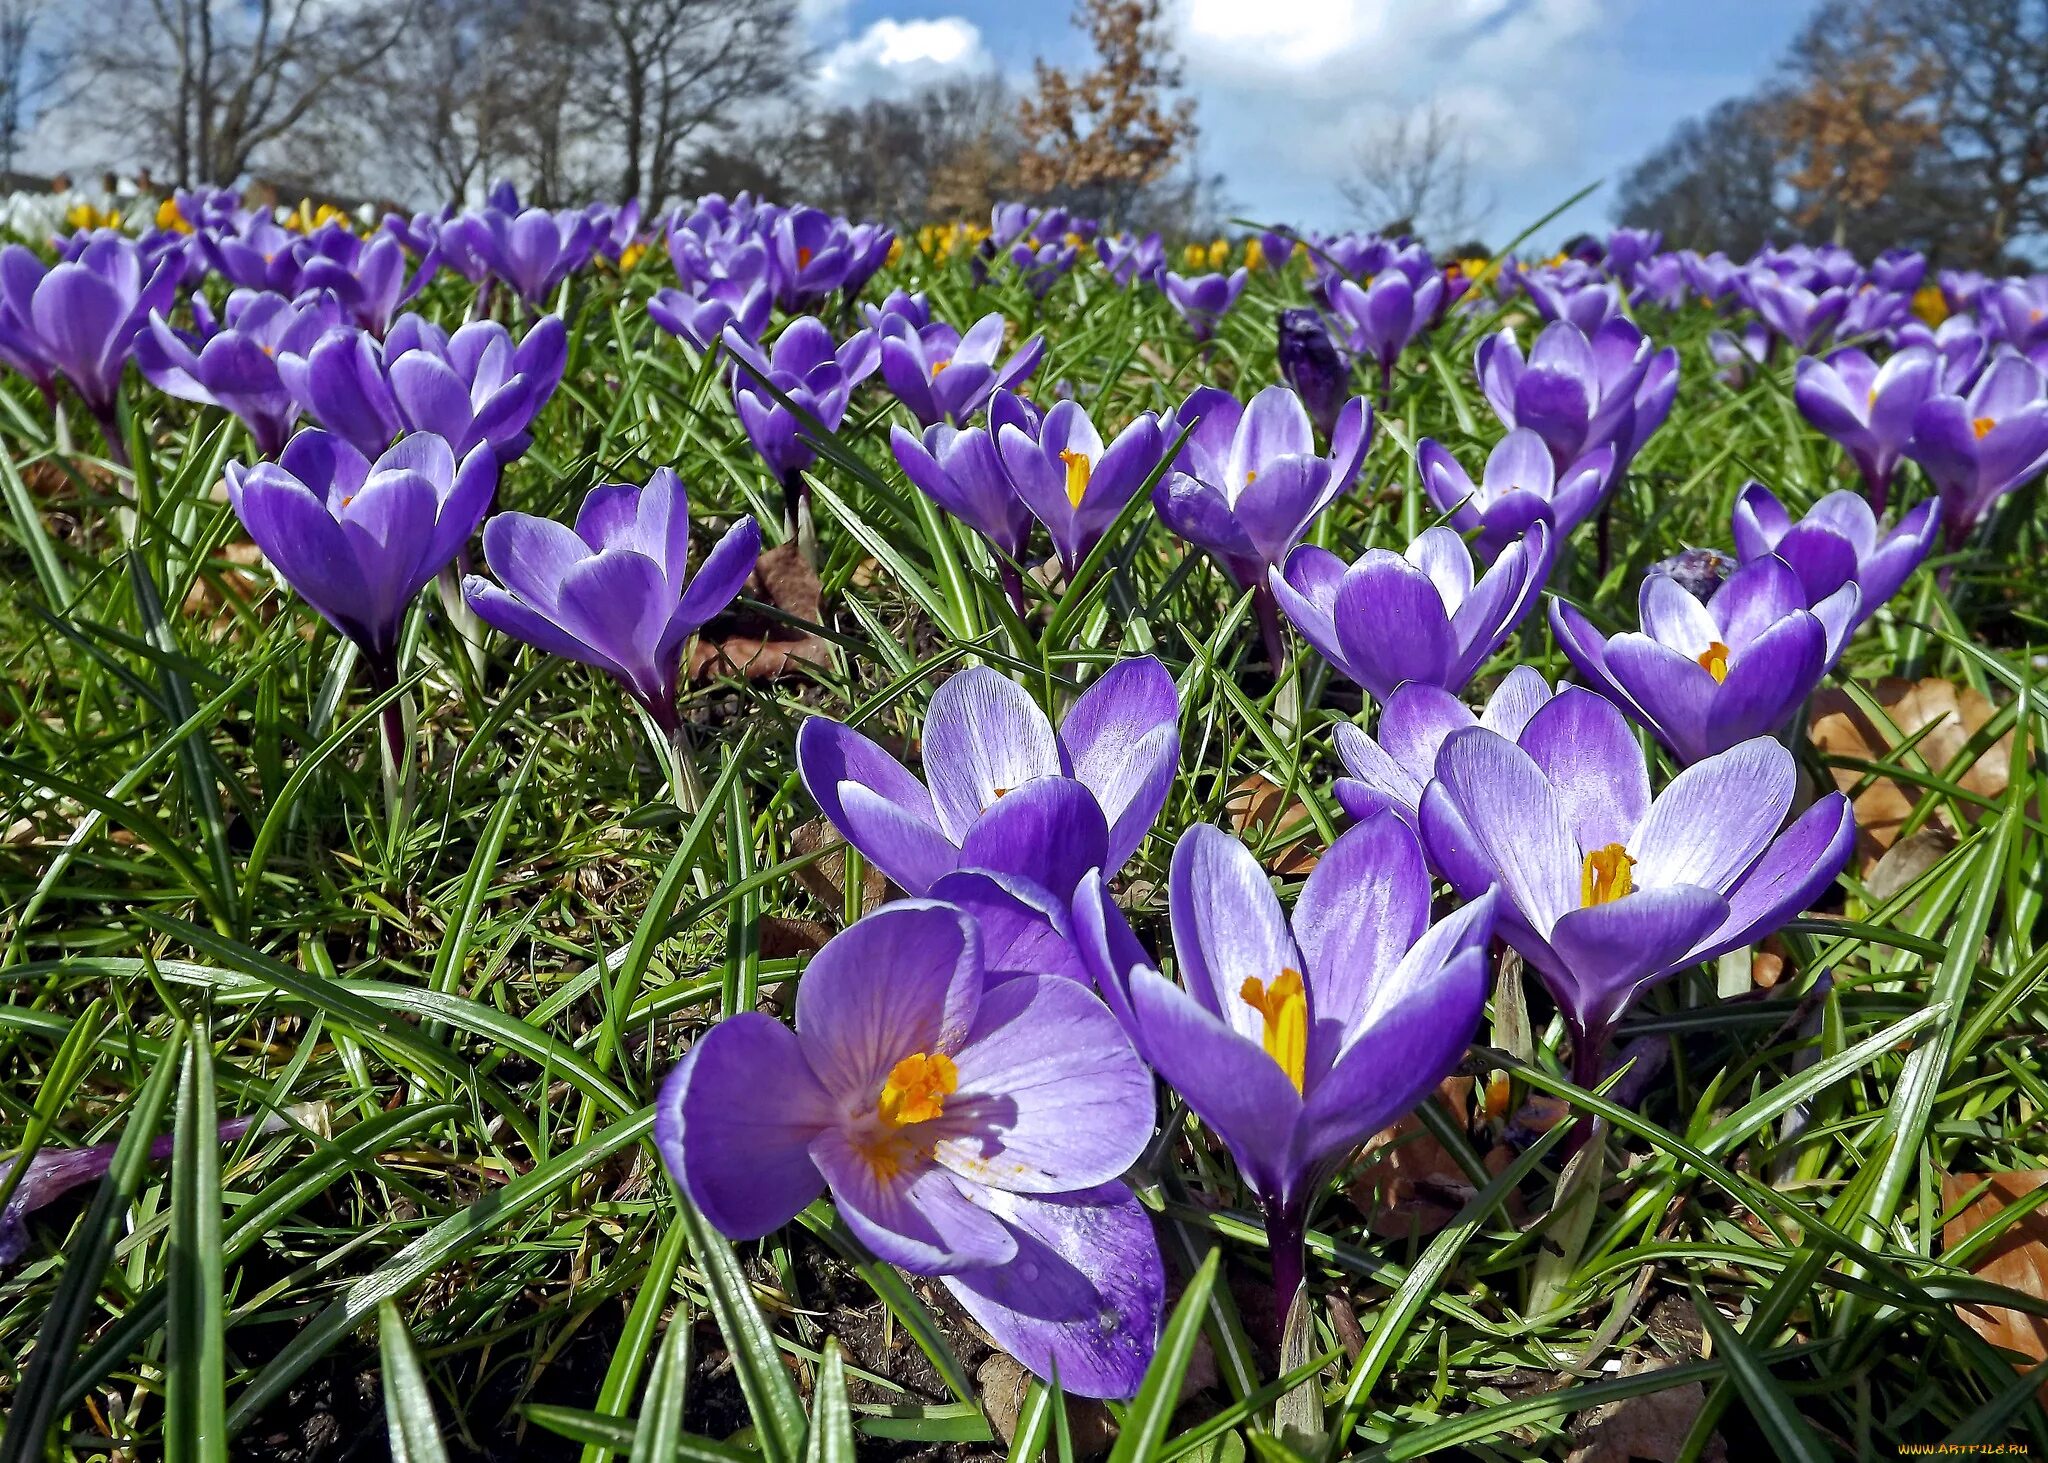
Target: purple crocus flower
[(1836, 543), (1044, 266), (1585, 300), (1127, 258), (1418, 616), (1704, 677), (235, 367), (1629, 249), (1867, 408), (1385, 316), (82, 318), (1605, 891), (703, 319), (358, 539), (967, 1128), (1073, 483), (368, 278), (818, 377), (532, 250), (614, 592), (1006, 792), (1276, 249), (960, 470), (1389, 770), (1803, 317), (2015, 311), (1738, 355), (944, 376), (475, 386), (1204, 299), (1578, 392), (1521, 484), (1978, 448), (1898, 271), (1296, 1040), (914, 309), (1309, 363)]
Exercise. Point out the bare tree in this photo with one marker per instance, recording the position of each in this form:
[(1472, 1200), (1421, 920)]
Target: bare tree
[(1413, 174), (27, 71), (1718, 182), (205, 86), (947, 151)]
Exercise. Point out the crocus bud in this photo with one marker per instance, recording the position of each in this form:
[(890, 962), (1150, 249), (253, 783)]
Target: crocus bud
[(1310, 364), (1699, 572)]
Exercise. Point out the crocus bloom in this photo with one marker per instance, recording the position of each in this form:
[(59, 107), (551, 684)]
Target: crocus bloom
[(1867, 408), (533, 250), (1389, 770), (944, 376), (1836, 543), (1248, 483), (1802, 316), (82, 318), (1203, 300), (960, 470), (1073, 483), (1980, 447), (1128, 258), (1520, 486), (703, 319), (1588, 302), (1704, 677), (1309, 363), (475, 386), (1603, 890), (1295, 1041), (1276, 249), (967, 1129), (805, 366), (235, 367), (1898, 271), (1578, 392), (1382, 318), (1417, 616), (358, 539), (1002, 790), (615, 592)]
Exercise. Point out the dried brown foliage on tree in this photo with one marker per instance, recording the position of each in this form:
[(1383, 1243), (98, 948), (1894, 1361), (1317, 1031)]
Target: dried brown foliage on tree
[(1100, 138), (1857, 117)]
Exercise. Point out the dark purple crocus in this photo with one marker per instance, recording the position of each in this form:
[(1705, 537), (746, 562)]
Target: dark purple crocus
[(1074, 483), (1521, 484), (1868, 408), (614, 592), (1836, 543), (1704, 677), (960, 470), (944, 376), (1204, 299), (1296, 1040), (357, 538), (968, 1128), (1978, 448), (235, 367), (1578, 392), (1310, 363), (1388, 770), (1381, 319), (805, 366), (1248, 483), (82, 318), (475, 386), (1003, 791), (1603, 890), (1418, 616), (1276, 249)]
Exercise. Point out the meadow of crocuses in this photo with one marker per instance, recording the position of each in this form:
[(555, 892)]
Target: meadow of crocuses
[(737, 834)]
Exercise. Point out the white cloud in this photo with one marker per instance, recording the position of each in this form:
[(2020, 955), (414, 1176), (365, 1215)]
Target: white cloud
[(893, 57), (1287, 88)]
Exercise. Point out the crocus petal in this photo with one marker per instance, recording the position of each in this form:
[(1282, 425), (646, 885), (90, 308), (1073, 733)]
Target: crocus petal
[(1710, 824), (912, 1213), (1365, 903), (1800, 863), (874, 802), (1610, 949), (984, 737), (1227, 925), (1050, 831), (1392, 624), (1516, 819), (1122, 738), (1587, 753), (907, 979), (1025, 928)]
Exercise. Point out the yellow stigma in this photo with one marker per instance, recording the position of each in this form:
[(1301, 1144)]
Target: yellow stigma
[(1605, 877), (803, 258), (1284, 1005), (1078, 468), (1714, 661), (938, 366), (1251, 476), (917, 1089), (1982, 427)]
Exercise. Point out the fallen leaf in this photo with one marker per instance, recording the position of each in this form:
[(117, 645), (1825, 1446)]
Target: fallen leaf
[(2016, 1259), (825, 877), (782, 937), (740, 642), (1410, 1184), (1256, 809), (1907, 860), (1651, 1426), (1841, 728), (235, 575)]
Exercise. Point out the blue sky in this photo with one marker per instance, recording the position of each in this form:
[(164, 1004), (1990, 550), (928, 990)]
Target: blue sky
[(1552, 94)]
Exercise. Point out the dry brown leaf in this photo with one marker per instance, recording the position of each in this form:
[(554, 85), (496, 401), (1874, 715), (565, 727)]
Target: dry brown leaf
[(825, 877), (2016, 1259), (1652, 1426), (782, 937), (1256, 810), (1409, 1184), (1839, 727), (739, 643), (236, 565)]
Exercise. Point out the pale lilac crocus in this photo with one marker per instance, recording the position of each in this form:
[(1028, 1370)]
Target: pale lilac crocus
[(1385, 316), (1297, 1039), (235, 366), (1388, 770), (1521, 485), (1979, 447), (1838, 542), (1578, 392), (960, 469), (1002, 790), (969, 1129), (1414, 616), (1868, 408)]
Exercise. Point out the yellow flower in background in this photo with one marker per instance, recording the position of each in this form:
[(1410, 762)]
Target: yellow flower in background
[(87, 216), (306, 218), (1254, 254), (895, 250), (1219, 253), (631, 255), (1477, 270), (1930, 304), (1192, 256), (168, 217)]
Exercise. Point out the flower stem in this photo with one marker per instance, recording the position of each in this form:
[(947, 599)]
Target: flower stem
[(1285, 1226), (1588, 1051), (1013, 586), (1266, 610)]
